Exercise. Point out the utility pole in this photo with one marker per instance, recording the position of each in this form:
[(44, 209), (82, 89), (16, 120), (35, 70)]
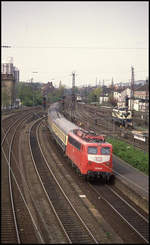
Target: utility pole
[(112, 83), (32, 86), (33, 89), (99, 83), (73, 95), (96, 82), (103, 93), (146, 102), (132, 91)]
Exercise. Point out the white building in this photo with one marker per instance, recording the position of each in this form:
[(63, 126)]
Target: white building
[(9, 68), (122, 97), (103, 99), (139, 104), (117, 95)]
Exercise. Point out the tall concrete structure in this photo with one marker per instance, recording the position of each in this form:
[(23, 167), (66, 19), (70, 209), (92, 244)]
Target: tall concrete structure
[(8, 90), (10, 76)]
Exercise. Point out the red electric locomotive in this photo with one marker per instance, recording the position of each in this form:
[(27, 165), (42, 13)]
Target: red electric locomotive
[(90, 153)]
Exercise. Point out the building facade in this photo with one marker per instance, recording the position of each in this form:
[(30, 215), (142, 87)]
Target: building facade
[(141, 98), (9, 78), (8, 90)]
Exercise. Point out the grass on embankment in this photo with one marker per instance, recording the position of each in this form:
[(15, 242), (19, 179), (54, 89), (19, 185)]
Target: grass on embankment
[(130, 154)]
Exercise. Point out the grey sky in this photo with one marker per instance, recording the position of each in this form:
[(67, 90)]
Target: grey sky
[(94, 38)]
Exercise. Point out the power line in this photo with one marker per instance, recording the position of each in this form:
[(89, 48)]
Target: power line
[(77, 47), (5, 46)]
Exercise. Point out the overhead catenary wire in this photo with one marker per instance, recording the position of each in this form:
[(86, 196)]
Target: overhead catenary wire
[(76, 47)]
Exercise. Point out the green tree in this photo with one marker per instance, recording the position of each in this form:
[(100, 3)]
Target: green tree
[(56, 94), (94, 95), (60, 90), (29, 94)]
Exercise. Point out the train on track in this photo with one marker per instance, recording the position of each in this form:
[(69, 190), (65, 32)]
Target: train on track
[(88, 152), (122, 116)]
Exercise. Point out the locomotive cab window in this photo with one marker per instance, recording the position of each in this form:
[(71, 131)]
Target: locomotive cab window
[(105, 151), (92, 150)]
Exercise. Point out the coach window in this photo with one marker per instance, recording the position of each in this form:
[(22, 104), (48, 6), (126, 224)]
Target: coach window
[(92, 150), (105, 151)]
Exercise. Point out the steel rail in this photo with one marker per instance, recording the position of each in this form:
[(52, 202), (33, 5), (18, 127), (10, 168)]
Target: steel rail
[(65, 194), (11, 173), (138, 145), (10, 183), (62, 191), (146, 220), (6, 133), (123, 177), (111, 205), (47, 196), (146, 191)]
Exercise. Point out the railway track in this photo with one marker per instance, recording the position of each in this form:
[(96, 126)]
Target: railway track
[(105, 126), (72, 224), (138, 118), (65, 207), (14, 207), (138, 222), (134, 221)]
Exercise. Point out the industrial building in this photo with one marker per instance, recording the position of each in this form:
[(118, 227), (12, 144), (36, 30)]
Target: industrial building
[(9, 79)]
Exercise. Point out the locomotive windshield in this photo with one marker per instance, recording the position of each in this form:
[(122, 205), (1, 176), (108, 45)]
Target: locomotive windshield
[(105, 151), (92, 150)]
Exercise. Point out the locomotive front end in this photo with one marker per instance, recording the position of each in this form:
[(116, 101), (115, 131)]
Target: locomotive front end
[(99, 161)]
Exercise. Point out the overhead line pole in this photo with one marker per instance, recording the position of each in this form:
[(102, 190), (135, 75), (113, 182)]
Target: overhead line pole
[(146, 102), (73, 95), (103, 93), (132, 92)]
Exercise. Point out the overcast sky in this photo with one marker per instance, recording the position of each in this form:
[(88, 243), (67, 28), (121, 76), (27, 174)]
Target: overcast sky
[(98, 40)]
